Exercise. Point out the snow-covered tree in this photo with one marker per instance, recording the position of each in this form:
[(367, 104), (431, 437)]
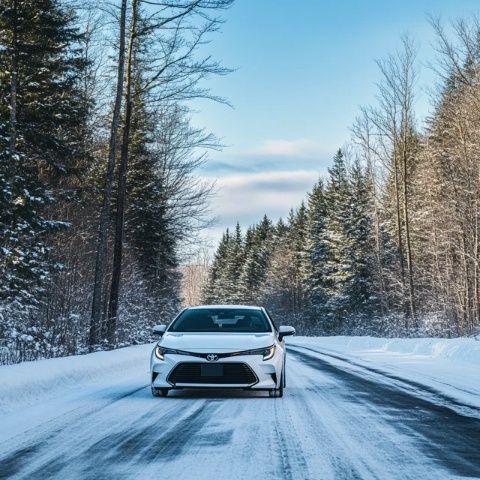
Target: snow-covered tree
[(338, 267), (316, 280), (42, 132), (232, 291), (213, 292), (361, 285), (257, 257)]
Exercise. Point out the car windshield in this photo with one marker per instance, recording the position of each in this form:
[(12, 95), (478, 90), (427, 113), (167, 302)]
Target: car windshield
[(228, 320)]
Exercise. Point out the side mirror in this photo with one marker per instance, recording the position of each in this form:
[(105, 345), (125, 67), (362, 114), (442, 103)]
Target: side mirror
[(285, 331), (159, 329)]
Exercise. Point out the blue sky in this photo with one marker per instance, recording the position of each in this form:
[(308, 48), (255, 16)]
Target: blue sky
[(303, 69)]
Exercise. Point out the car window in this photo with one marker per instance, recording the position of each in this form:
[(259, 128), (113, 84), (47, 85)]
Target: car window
[(272, 320), (227, 320)]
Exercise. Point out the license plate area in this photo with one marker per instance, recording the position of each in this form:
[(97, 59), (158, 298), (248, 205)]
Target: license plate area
[(211, 370)]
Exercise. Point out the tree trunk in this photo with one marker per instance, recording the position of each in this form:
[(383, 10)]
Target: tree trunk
[(14, 83), (122, 183), (378, 240), (476, 318), (411, 291), (102, 239), (399, 231)]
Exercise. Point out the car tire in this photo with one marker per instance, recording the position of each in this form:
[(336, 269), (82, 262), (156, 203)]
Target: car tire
[(280, 390), (277, 392), (160, 392)]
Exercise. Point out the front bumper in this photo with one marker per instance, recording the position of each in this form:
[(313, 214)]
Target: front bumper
[(267, 373)]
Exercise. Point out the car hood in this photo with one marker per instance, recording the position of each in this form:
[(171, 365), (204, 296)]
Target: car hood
[(216, 342)]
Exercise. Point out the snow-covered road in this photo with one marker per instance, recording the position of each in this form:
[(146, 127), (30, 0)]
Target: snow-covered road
[(338, 420)]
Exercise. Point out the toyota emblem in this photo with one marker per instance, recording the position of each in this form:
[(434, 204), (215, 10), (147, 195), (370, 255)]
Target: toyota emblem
[(212, 357)]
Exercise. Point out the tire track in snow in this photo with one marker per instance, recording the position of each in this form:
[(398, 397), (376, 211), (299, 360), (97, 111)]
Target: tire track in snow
[(408, 384), (150, 442), (293, 463), (62, 447), (20, 450), (444, 435), (326, 439)]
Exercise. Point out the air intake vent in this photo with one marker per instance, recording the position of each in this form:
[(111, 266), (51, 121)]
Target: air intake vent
[(212, 373)]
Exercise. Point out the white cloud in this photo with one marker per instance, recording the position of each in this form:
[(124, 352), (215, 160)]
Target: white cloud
[(270, 155), (246, 197), (269, 178), (276, 179), (302, 148)]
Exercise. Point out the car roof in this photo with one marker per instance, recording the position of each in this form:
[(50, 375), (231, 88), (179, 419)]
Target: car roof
[(237, 307)]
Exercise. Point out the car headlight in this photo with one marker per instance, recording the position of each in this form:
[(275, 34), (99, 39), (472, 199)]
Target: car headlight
[(159, 352), (269, 352)]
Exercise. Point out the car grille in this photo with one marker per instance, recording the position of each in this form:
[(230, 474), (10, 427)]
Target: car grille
[(226, 373)]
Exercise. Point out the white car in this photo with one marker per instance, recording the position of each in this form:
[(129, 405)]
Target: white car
[(224, 346)]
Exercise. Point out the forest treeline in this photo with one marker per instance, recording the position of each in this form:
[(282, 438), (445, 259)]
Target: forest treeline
[(387, 243), (99, 197), (98, 191)]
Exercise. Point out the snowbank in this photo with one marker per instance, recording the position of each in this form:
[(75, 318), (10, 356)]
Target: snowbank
[(448, 366), (464, 350), (30, 382)]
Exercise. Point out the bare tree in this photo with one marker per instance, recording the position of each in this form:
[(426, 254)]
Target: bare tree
[(395, 126), (102, 239), (405, 93), (194, 277), (172, 75), (364, 137), (122, 179), (452, 155)]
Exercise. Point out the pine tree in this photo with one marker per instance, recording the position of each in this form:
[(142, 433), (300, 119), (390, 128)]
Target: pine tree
[(256, 261), (42, 122), (338, 267), (148, 227), (214, 288), (248, 246), (297, 239), (277, 291), (361, 241), (231, 276), (349, 246), (317, 250), (284, 290), (281, 229)]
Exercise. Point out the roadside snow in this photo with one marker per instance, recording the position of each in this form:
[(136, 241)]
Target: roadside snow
[(465, 350), (59, 385), (449, 366), (32, 382)]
